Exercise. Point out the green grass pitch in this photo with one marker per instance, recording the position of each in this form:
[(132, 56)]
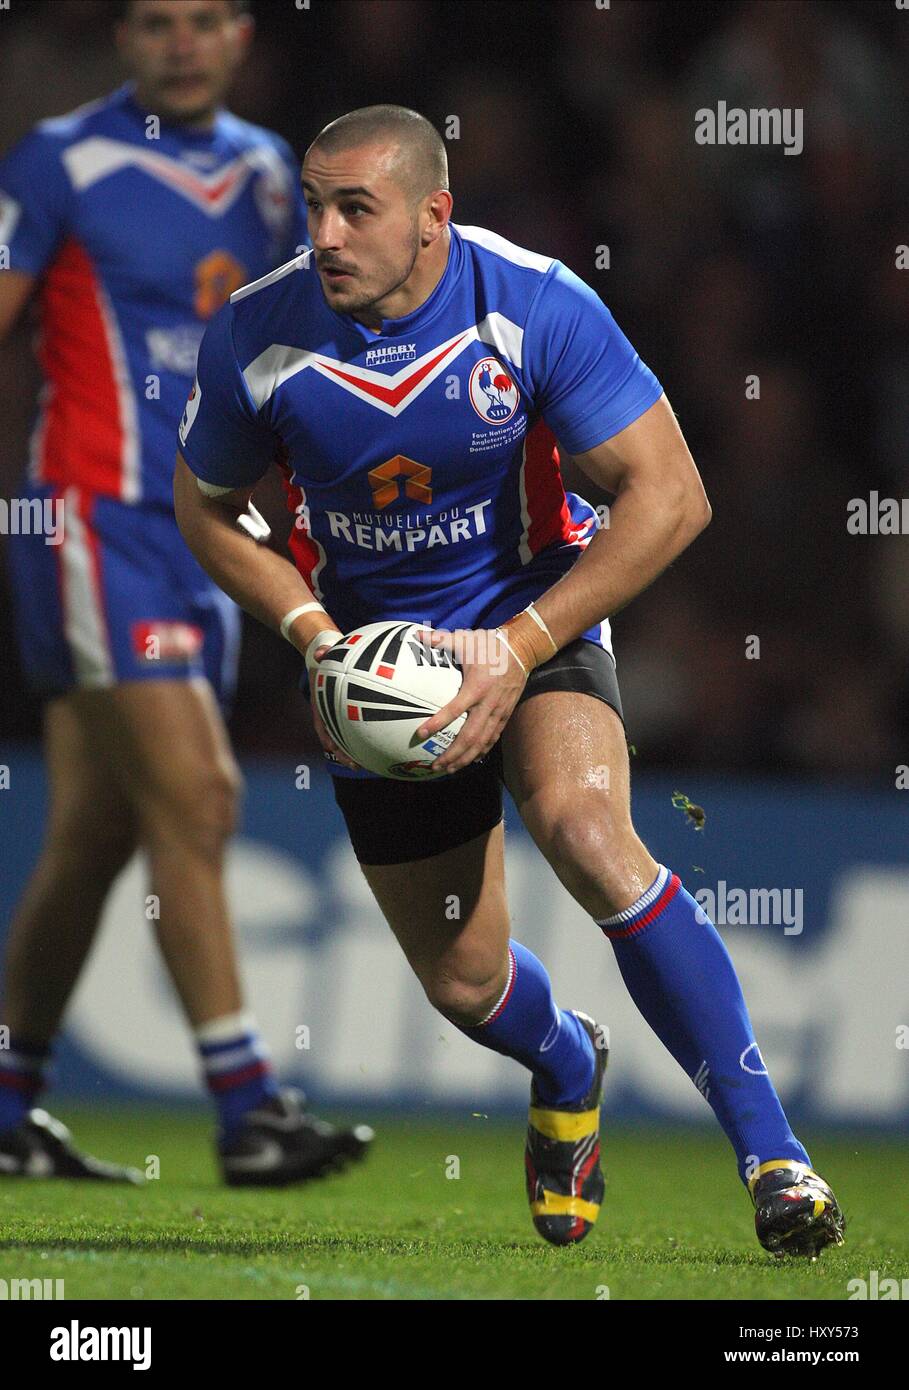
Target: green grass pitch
[(675, 1224)]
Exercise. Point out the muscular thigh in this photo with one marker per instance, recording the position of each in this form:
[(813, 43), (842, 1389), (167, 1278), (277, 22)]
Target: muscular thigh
[(565, 762), (564, 746), (448, 912)]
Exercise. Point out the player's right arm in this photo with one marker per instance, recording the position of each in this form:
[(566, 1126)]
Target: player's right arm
[(257, 578), (35, 207), (225, 450)]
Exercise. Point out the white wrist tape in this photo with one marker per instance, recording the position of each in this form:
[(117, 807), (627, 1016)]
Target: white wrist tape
[(502, 638), (327, 638), (296, 613), (532, 613)]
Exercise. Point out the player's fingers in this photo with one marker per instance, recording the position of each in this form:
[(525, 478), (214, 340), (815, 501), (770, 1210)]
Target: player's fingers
[(445, 716), (467, 698), (476, 738), (461, 644), (437, 637), (480, 695)]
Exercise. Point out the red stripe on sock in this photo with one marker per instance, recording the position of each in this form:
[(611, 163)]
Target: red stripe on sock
[(230, 1079), (622, 933), (508, 993)]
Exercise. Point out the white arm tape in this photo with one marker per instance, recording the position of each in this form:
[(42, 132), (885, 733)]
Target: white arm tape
[(502, 638), (296, 613), (532, 613)]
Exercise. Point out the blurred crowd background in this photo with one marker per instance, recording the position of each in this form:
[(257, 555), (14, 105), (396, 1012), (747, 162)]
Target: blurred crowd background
[(576, 133)]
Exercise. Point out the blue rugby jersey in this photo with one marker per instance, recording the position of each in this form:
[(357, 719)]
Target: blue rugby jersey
[(421, 461), (139, 233)]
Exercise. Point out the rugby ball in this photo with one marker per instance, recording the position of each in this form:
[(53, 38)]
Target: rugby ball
[(376, 687)]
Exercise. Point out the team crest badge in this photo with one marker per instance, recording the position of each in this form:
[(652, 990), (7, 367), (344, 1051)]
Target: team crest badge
[(493, 392)]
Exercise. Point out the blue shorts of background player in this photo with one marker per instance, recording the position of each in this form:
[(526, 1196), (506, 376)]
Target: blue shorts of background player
[(118, 598)]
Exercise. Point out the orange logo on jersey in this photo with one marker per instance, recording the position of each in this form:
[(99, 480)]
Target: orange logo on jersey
[(386, 485), (217, 276)]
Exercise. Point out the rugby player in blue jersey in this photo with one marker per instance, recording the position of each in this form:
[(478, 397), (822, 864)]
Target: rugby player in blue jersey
[(417, 377), (133, 219)]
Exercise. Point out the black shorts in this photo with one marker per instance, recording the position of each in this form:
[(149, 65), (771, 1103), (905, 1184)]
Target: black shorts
[(392, 822)]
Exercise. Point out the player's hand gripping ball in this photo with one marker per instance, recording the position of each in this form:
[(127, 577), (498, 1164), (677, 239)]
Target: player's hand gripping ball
[(376, 687)]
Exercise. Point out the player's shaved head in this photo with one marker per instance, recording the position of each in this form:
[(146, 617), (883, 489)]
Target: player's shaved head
[(420, 164), (378, 206)]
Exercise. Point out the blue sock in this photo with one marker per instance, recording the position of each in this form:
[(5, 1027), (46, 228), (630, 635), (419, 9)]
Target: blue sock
[(22, 1075), (679, 974), (528, 1025), (237, 1069)]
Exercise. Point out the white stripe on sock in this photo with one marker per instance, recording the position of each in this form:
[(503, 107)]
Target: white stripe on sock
[(653, 892), (512, 967)]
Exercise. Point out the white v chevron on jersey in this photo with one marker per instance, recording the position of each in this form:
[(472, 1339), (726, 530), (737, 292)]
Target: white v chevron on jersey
[(391, 393), (98, 157)]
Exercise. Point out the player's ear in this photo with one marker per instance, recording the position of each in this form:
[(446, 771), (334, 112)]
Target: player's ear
[(437, 215)]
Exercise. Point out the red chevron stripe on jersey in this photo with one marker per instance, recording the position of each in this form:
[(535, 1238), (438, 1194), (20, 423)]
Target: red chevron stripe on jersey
[(394, 395), (389, 393)]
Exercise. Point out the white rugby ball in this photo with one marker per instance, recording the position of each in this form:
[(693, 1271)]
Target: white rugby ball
[(376, 687)]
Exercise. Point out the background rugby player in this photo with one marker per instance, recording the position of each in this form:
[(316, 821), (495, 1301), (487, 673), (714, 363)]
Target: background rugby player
[(135, 217), (373, 354)]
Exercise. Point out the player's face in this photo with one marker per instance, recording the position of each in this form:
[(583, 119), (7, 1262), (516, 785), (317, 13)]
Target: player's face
[(365, 230), (183, 54)]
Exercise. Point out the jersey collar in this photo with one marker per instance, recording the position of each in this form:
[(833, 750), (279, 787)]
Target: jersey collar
[(425, 312), (201, 139)]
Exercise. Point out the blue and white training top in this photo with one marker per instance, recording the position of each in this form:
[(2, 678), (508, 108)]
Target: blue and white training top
[(421, 461)]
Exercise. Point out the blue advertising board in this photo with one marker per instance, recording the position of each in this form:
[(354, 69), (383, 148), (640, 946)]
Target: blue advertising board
[(809, 886)]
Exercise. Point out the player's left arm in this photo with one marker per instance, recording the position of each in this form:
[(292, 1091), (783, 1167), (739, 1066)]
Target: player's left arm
[(611, 414), (660, 508)]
